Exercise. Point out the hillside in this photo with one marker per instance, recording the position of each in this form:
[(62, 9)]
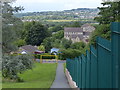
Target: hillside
[(74, 14)]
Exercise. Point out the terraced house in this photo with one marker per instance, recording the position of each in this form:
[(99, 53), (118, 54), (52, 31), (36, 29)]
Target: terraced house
[(77, 34)]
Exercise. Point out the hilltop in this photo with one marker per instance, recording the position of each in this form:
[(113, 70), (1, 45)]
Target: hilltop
[(73, 14)]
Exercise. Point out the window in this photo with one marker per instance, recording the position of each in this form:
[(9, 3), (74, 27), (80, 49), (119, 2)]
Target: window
[(83, 33)]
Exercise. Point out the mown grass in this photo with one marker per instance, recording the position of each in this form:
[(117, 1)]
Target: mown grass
[(42, 76)]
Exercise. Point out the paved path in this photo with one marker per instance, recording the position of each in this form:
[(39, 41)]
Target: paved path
[(60, 79)]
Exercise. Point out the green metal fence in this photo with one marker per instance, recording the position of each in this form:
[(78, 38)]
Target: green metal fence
[(100, 68)]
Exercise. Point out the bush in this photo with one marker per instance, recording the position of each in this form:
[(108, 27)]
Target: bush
[(12, 65), (69, 53), (37, 56)]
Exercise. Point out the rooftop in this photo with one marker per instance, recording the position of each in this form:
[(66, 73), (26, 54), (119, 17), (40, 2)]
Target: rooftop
[(71, 29)]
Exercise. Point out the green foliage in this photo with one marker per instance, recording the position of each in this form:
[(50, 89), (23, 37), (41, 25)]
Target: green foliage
[(36, 34), (69, 53), (11, 27), (102, 31), (54, 41), (74, 50), (47, 42), (41, 48), (12, 65), (58, 35), (20, 42), (78, 45), (75, 24), (27, 26), (66, 43), (109, 13), (56, 28)]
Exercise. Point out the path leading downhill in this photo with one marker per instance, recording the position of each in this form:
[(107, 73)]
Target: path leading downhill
[(60, 79)]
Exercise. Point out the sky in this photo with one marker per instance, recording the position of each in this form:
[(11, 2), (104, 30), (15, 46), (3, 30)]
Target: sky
[(56, 5)]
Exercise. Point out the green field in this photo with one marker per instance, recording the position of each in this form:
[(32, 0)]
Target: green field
[(66, 20), (41, 76)]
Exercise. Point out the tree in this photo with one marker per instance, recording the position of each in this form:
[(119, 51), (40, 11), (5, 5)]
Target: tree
[(36, 34), (58, 35), (66, 43), (27, 26), (109, 13), (47, 42), (11, 32), (11, 27)]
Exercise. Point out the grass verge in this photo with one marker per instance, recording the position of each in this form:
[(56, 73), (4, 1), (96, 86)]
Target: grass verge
[(41, 76), (64, 67)]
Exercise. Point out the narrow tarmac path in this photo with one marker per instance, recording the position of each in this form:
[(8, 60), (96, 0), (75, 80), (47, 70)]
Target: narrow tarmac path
[(60, 79)]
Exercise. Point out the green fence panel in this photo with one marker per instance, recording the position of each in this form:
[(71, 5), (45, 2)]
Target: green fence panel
[(77, 64), (80, 72), (100, 68), (115, 40), (73, 69), (87, 69), (104, 63), (83, 71), (94, 69), (76, 72)]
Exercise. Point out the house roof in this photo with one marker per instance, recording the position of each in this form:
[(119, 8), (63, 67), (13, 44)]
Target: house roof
[(29, 48), (73, 29)]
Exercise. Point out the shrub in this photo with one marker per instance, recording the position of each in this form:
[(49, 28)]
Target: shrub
[(37, 56), (12, 65), (69, 53)]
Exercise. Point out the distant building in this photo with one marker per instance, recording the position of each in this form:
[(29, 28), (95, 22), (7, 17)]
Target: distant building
[(87, 30), (28, 49), (73, 34), (77, 34)]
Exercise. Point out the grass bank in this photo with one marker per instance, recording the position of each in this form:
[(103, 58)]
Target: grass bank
[(41, 76), (64, 66)]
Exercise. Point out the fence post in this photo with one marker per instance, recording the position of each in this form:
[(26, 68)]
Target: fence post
[(115, 40)]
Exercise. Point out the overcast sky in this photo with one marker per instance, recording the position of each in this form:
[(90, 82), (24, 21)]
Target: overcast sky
[(56, 5)]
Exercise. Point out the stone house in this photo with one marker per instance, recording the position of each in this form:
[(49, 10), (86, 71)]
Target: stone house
[(77, 34)]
